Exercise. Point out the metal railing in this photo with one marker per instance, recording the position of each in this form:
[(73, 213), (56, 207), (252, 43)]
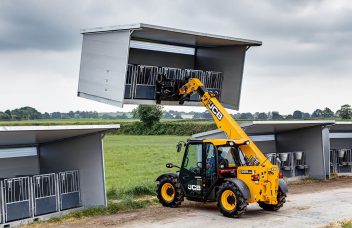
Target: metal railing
[(17, 198), (17, 189), (141, 79), (45, 194), (272, 157), (2, 204), (25, 197), (130, 74), (44, 185), (340, 160), (293, 163), (69, 182), (69, 189), (146, 75), (173, 73)]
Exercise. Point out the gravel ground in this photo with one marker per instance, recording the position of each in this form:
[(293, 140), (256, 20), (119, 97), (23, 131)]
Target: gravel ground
[(308, 205)]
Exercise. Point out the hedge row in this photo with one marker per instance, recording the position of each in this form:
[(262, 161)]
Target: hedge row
[(165, 128)]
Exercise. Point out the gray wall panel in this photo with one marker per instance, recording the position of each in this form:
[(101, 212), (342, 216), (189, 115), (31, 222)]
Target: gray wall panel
[(308, 140), (266, 146), (230, 61), (157, 58), (340, 143), (84, 154), (10, 167), (103, 66)]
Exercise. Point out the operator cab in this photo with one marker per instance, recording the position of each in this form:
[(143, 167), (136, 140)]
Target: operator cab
[(205, 164)]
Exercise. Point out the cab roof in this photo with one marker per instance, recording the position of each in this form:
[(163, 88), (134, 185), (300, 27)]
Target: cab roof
[(219, 142)]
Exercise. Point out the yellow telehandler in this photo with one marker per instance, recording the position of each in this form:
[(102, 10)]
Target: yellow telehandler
[(233, 172)]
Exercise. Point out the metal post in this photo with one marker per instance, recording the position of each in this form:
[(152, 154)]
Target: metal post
[(2, 213), (31, 197)]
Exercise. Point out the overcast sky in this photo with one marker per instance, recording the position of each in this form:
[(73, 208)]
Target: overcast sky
[(305, 61)]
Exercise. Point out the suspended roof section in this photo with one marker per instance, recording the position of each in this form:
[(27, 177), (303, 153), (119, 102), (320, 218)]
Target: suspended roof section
[(32, 135), (160, 34)]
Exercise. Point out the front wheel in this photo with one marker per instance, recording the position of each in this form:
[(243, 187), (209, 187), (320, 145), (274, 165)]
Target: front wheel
[(231, 201), (169, 192)]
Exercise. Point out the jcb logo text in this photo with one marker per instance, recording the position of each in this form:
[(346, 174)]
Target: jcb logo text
[(194, 187), (215, 110)]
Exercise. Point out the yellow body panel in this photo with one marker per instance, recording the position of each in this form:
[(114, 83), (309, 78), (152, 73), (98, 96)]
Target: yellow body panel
[(266, 189)]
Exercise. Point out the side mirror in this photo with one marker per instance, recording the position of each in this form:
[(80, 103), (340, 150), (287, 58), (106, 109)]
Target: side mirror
[(179, 146), (169, 165)]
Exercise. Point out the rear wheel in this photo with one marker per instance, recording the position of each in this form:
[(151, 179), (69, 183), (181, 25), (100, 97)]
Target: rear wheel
[(231, 202), (169, 192), (281, 199)]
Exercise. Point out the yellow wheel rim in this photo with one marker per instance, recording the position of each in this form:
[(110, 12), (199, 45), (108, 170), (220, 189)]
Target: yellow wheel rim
[(168, 192), (228, 200)]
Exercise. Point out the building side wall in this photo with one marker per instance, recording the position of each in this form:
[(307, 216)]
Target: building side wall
[(310, 141), (103, 66), (229, 61), (11, 167), (266, 146), (84, 154)]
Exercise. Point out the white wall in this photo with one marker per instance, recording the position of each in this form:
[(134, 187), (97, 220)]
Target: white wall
[(84, 154)]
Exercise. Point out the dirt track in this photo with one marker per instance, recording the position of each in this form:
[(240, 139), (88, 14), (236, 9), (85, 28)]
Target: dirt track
[(308, 205)]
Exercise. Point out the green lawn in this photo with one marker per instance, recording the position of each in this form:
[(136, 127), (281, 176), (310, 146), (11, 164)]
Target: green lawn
[(136, 161)]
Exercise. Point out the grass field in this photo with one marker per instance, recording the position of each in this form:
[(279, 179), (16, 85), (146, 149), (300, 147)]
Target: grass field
[(132, 163)]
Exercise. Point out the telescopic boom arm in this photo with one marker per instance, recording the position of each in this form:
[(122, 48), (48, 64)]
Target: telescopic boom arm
[(222, 118)]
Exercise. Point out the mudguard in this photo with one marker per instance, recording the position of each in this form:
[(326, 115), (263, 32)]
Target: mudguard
[(166, 174), (241, 186), (283, 186)]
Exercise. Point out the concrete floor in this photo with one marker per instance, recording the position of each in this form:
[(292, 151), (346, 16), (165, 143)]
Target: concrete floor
[(301, 210)]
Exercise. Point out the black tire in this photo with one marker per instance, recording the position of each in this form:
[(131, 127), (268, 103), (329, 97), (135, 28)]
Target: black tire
[(176, 191), (240, 202), (281, 199)]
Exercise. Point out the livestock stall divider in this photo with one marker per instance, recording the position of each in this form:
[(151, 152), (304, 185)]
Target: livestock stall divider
[(45, 195), (292, 164), (141, 80), (70, 195), (31, 196), (17, 198), (340, 160)]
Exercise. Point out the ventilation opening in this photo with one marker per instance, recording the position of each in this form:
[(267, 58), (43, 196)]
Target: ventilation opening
[(162, 47)]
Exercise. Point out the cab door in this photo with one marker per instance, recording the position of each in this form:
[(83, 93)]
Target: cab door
[(192, 170)]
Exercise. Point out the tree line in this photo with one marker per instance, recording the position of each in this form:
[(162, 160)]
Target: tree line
[(30, 113)]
